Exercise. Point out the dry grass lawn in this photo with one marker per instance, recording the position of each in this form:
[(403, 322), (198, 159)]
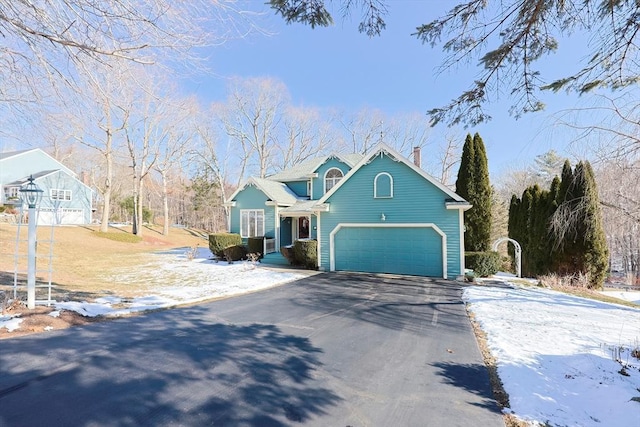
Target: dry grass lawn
[(83, 260)]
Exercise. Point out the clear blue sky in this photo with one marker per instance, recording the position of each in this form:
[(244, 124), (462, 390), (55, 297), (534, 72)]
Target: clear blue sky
[(339, 67)]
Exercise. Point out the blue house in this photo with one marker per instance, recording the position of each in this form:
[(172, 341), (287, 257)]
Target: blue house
[(376, 213), (66, 199)]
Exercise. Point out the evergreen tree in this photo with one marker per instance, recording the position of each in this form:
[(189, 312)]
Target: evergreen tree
[(591, 244), (547, 166), (566, 182), (482, 202), (474, 186), (571, 211), (465, 173)]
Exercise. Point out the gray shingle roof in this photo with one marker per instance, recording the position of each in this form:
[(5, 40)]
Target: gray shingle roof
[(300, 207), (276, 191), (8, 154), (23, 181), (302, 170)]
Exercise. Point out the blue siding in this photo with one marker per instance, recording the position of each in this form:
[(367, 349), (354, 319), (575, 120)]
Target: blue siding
[(298, 187), (318, 183), (253, 198), (415, 200), (20, 165), (81, 196)]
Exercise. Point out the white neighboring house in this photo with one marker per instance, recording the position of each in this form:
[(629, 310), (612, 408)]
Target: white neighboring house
[(66, 199)]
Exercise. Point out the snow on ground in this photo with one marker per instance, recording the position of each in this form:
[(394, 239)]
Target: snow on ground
[(561, 357), (181, 280)]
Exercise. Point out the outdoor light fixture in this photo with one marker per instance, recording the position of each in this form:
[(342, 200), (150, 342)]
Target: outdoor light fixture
[(382, 217), (31, 195)]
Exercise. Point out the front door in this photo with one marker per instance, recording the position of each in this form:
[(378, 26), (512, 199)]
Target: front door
[(303, 227)]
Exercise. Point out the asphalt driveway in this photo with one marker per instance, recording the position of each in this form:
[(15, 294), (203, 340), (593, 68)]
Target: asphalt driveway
[(329, 350)]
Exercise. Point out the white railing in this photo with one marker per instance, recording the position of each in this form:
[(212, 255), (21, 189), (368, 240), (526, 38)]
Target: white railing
[(269, 245)]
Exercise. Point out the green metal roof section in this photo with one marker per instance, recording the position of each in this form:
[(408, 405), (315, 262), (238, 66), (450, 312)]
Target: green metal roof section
[(301, 171)]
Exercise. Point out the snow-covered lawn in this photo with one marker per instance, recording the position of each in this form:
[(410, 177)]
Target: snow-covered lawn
[(176, 280), (559, 357)]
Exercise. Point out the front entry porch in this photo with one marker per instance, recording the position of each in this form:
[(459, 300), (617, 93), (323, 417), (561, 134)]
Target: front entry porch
[(292, 227)]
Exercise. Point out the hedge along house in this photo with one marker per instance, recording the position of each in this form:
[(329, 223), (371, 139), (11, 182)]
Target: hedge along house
[(376, 213), (66, 199)]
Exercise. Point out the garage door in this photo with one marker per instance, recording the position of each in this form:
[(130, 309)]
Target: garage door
[(48, 216), (394, 249)]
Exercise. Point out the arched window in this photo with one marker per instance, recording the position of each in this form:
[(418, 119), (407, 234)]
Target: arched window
[(383, 186), (331, 178)]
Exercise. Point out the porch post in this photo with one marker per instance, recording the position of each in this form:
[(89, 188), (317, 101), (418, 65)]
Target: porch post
[(277, 236)]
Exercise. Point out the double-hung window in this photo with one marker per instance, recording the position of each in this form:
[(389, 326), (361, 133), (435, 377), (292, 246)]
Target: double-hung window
[(57, 194), (251, 223)]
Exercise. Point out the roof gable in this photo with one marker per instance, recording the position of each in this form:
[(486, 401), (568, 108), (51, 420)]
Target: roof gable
[(302, 171), (275, 191), (36, 153), (383, 149)]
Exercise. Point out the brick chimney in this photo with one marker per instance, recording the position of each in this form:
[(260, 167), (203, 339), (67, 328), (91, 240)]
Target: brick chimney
[(84, 177), (416, 156)]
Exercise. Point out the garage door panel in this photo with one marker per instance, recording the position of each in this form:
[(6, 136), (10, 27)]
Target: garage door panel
[(399, 250)]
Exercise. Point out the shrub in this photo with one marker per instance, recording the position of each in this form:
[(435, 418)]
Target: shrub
[(287, 252), (305, 253), (234, 253), (483, 264), (255, 245), (218, 242)]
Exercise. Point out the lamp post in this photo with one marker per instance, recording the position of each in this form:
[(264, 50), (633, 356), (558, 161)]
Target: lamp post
[(31, 195)]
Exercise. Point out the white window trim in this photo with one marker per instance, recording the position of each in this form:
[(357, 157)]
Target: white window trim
[(375, 186), (12, 192), (246, 235), (66, 194), (324, 180)]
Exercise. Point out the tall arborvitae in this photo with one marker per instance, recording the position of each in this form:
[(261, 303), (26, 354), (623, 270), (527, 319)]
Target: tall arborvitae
[(577, 243), (482, 198), (566, 182), (592, 243), (473, 185), (464, 184), (525, 225)]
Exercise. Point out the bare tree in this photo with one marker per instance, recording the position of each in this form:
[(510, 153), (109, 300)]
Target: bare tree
[(363, 129), (171, 154), (101, 122), (208, 157), (449, 156), (253, 112), (304, 134), (50, 41), (619, 188), (610, 125), (406, 131)]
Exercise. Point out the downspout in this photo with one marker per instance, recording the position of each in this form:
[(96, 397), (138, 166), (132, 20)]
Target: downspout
[(462, 266)]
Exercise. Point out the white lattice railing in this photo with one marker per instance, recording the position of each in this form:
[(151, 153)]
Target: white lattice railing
[(269, 245)]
